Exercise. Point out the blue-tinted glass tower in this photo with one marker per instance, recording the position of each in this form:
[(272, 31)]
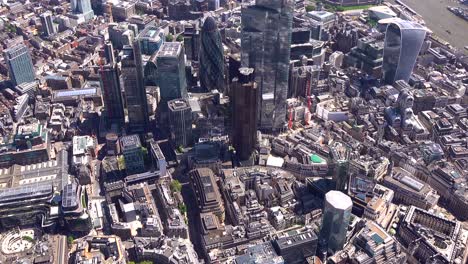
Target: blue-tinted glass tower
[(335, 221), (171, 76), (82, 7), (20, 65), (211, 57)]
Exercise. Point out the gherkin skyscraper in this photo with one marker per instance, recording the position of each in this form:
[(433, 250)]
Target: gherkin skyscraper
[(211, 57)]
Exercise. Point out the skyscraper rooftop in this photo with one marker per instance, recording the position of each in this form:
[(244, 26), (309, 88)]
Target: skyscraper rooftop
[(339, 200), (170, 49)]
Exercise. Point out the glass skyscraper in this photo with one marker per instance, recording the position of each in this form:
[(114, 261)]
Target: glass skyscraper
[(244, 98), (335, 221), (47, 24), (266, 43), (82, 7), (403, 41), (171, 76), (180, 121), (112, 94), (211, 57), (135, 93), (20, 65)]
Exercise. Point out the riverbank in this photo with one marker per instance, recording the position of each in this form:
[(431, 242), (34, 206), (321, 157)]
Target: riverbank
[(441, 21)]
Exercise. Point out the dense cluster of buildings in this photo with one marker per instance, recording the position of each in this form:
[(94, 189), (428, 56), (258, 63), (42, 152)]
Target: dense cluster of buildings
[(220, 131)]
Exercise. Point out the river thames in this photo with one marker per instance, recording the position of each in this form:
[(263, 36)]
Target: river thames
[(439, 20)]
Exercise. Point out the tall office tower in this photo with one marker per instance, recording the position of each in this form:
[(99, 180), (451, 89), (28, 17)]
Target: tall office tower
[(109, 52), (151, 71), (82, 7), (340, 175), (20, 65), (403, 41), (171, 71), (266, 43), (151, 40), (340, 153), (112, 94), (135, 94), (211, 57), (335, 221), (180, 122), (48, 27), (245, 96), (192, 42)]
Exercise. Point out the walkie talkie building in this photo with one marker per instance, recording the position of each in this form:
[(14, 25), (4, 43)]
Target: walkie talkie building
[(403, 41)]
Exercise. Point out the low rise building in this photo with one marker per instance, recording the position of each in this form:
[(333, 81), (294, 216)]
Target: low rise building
[(410, 191), (430, 237)]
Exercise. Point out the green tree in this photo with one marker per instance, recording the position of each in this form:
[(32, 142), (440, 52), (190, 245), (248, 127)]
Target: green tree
[(83, 201), (70, 239), (121, 162), (169, 38), (176, 186), (180, 149), (28, 238), (182, 208), (146, 157), (180, 38), (309, 8)]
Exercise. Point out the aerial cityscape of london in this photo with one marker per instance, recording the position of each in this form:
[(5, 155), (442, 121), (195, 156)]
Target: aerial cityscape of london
[(233, 131)]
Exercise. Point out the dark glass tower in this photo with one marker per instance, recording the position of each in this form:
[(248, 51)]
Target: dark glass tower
[(335, 220), (403, 41), (245, 96), (211, 57), (266, 47), (151, 71), (112, 94), (47, 24), (171, 71), (135, 94)]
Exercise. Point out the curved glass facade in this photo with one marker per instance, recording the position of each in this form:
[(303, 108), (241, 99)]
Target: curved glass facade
[(403, 41), (211, 57)]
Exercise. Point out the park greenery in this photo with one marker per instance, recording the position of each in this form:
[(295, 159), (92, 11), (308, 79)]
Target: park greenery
[(176, 186), (335, 8), (182, 208), (28, 238)]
